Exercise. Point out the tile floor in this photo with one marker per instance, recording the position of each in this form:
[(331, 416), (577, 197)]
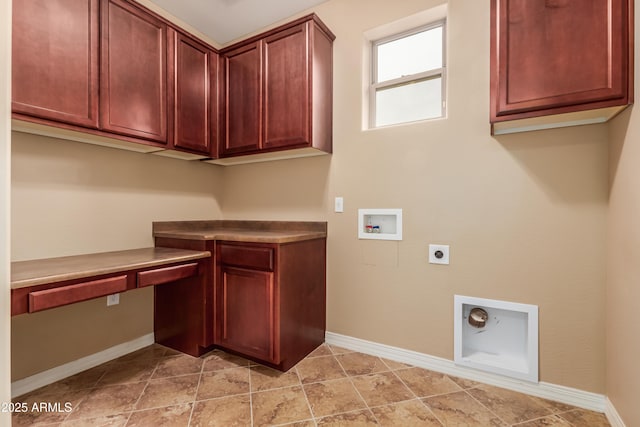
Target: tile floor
[(157, 386)]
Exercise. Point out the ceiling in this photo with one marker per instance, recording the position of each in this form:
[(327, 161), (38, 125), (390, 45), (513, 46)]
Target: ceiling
[(227, 20)]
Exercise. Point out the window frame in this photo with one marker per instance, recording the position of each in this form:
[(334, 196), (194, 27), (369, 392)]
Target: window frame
[(375, 86)]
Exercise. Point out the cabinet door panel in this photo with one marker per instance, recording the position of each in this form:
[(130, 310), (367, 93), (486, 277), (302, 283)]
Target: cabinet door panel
[(246, 317), (133, 81), (55, 60), (243, 100), (286, 80), (556, 53), (192, 94)]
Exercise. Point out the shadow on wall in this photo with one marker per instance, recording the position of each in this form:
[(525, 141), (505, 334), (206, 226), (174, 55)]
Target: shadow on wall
[(291, 188), (568, 164), (618, 129), (39, 160)]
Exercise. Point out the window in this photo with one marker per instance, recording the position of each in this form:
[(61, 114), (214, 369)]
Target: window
[(408, 76)]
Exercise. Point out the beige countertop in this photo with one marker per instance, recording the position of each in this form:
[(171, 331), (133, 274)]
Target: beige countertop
[(52, 270), (242, 231)]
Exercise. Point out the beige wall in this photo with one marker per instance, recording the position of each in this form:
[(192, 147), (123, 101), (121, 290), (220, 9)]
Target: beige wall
[(71, 198), (623, 266), (524, 214), (5, 196)]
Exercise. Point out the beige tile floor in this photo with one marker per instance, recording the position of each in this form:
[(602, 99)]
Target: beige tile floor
[(157, 386)]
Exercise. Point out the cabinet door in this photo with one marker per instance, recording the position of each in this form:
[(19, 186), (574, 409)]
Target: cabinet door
[(246, 312), (190, 69), (558, 53), (133, 81), (243, 100), (55, 60), (286, 80)]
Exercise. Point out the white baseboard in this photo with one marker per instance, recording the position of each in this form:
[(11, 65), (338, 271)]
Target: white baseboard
[(568, 395), (25, 385), (612, 414)]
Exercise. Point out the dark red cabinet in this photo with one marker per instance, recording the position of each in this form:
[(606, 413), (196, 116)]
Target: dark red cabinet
[(243, 100), (133, 86), (559, 56), (246, 312), (286, 88), (270, 299), (55, 60), (193, 75), (278, 90), (114, 69)]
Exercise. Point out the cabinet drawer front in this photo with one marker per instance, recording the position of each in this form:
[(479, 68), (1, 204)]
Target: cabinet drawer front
[(166, 275), (49, 298), (248, 257)]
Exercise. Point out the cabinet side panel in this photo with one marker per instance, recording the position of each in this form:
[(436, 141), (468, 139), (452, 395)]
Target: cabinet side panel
[(180, 316), (322, 94), (302, 275), (215, 99), (55, 60), (208, 301)]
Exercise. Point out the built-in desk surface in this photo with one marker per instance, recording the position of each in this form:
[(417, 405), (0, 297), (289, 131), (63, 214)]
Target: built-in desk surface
[(53, 270)]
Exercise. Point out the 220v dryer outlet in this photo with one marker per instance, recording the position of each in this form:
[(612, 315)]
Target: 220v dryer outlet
[(439, 254)]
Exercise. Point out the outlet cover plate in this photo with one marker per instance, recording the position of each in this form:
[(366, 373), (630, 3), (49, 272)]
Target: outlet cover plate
[(444, 259), (113, 299)]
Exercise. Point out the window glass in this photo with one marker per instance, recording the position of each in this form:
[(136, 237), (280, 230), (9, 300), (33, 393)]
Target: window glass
[(410, 55), (408, 75), (409, 102)]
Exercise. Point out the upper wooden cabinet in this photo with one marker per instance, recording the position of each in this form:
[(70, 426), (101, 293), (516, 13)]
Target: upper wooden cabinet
[(554, 58), (193, 85), (278, 90), (113, 69), (133, 84), (55, 60), (111, 72), (287, 88), (243, 100)]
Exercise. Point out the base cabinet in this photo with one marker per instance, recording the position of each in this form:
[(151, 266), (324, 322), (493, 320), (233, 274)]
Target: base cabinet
[(246, 318), (270, 300), (262, 301)]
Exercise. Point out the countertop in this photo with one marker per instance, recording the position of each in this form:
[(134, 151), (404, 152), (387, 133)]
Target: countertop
[(52, 270), (242, 231)]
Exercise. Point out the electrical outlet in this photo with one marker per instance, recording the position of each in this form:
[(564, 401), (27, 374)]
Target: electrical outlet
[(113, 299), (439, 254), (339, 205)]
